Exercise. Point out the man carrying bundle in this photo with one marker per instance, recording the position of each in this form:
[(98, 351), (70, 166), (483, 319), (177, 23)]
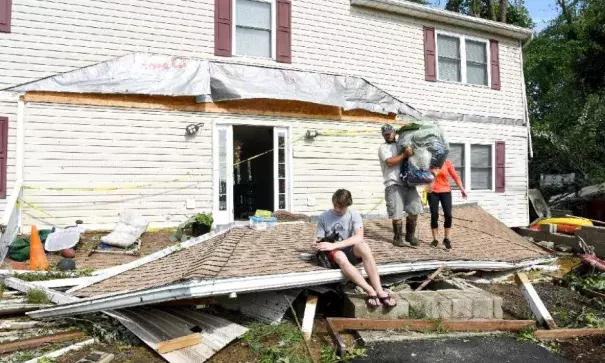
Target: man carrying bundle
[(399, 196)]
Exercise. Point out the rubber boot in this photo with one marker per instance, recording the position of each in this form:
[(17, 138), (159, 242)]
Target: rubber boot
[(410, 232), (398, 234)]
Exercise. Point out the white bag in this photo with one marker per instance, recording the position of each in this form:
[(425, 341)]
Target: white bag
[(130, 227)]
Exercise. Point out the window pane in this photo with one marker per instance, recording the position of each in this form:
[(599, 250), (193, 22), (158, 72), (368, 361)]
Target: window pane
[(449, 70), (253, 42), (476, 74), (253, 14), (282, 185), (481, 156), (476, 52), (481, 178), (448, 46), (281, 171), (456, 155), (282, 201), (282, 155)]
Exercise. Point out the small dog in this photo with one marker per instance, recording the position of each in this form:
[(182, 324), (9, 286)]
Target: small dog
[(323, 257)]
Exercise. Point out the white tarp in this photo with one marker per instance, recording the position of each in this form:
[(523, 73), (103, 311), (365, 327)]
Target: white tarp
[(148, 74)]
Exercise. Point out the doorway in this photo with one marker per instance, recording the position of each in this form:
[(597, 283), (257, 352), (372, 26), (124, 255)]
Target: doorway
[(252, 171)]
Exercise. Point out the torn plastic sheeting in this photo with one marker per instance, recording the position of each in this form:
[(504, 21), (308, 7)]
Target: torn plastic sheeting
[(149, 74)]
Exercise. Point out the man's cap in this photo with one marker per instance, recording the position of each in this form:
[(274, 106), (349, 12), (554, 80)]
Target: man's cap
[(387, 129)]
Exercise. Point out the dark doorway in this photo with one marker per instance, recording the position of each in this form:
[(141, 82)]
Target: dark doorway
[(253, 179)]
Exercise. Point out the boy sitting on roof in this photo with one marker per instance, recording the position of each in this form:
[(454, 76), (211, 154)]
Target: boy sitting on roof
[(340, 240)]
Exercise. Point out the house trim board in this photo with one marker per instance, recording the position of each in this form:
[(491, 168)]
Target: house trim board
[(216, 287)]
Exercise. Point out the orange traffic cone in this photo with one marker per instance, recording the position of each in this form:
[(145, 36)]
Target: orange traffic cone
[(37, 256)]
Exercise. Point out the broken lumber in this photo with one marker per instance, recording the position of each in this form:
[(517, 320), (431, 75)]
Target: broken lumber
[(535, 303), (18, 325), (567, 333), (179, 343), (25, 286), (430, 325), (309, 317), (430, 278), (60, 352), (20, 308), (36, 342)]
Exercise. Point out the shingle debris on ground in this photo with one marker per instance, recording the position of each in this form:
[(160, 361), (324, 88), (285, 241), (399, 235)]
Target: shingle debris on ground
[(245, 252)]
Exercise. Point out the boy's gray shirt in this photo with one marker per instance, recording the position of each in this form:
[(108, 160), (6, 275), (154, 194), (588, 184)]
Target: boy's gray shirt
[(345, 226)]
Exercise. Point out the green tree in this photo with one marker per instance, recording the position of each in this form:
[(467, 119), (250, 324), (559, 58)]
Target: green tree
[(565, 79), (516, 13)]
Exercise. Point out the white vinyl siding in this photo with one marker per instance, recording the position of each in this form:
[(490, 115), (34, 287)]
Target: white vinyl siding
[(254, 28), (327, 36), (482, 167), (462, 59)]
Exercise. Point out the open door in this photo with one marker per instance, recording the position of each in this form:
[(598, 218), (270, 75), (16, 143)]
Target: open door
[(281, 169), (223, 174)]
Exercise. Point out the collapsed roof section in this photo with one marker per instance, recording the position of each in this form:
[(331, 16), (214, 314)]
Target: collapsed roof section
[(212, 81)]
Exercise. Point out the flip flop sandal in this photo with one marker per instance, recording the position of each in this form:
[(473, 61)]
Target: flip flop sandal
[(385, 301), (373, 297)]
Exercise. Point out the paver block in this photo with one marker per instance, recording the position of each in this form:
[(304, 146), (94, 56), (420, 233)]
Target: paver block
[(483, 306), (498, 312), (356, 307), (462, 306)]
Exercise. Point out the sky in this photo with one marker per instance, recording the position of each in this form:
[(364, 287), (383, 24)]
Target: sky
[(542, 11)]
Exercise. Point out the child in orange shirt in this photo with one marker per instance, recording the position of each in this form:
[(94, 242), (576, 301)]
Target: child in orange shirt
[(441, 191)]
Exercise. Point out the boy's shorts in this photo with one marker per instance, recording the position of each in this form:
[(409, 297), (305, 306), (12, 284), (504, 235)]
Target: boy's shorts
[(349, 252)]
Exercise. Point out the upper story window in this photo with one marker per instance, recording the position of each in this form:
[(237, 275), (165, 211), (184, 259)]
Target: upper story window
[(255, 28), (462, 59), (254, 33)]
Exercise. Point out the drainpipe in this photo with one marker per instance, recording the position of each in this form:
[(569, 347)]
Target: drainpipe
[(524, 90), (20, 149)]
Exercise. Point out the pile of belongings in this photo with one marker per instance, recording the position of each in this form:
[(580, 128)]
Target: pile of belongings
[(430, 152)]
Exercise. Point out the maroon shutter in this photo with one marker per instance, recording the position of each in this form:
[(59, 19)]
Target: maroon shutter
[(430, 69), (3, 155), (495, 66), (284, 31), (5, 15), (500, 167), (222, 27)]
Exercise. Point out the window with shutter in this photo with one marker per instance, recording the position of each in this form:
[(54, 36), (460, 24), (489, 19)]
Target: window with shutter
[(5, 15), (481, 167), (3, 155), (457, 157), (430, 66), (462, 59)]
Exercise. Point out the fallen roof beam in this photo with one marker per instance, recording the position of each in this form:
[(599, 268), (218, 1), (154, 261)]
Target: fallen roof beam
[(205, 288), (567, 333), (20, 308), (37, 341), (535, 303), (60, 352)]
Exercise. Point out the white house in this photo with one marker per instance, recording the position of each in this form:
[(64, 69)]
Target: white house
[(88, 153)]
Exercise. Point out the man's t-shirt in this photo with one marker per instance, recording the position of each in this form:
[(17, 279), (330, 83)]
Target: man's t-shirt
[(344, 226), (390, 175)]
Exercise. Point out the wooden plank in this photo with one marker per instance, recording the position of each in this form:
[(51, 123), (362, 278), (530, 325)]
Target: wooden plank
[(24, 286), (429, 325), (333, 330), (535, 303), (430, 278), (36, 342), (60, 352), (20, 308), (567, 333), (18, 325), (309, 316), (262, 107), (179, 343)]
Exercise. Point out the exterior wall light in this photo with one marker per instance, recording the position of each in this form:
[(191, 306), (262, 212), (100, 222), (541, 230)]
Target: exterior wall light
[(193, 128), (311, 134)]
